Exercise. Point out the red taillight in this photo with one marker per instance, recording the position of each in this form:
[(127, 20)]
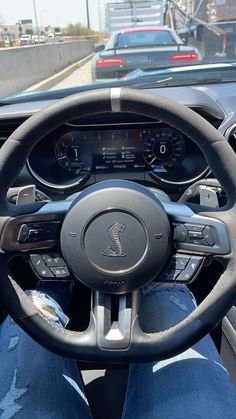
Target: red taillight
[(109, 62), (185, 57)]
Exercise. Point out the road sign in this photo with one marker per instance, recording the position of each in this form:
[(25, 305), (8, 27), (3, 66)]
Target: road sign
[(26, 22)]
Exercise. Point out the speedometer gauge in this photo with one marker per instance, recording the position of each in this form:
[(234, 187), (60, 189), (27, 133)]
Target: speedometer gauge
[(68, 153), (73, 155), (163, 148)]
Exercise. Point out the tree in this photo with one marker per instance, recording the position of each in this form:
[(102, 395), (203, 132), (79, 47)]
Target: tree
[(29, 31), (78, 29)]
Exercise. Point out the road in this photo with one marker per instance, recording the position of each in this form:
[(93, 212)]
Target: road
[(80, 76)]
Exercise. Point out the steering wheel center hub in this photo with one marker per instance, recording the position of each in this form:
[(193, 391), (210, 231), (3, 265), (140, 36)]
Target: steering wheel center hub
[(114, 253), (116, 236)]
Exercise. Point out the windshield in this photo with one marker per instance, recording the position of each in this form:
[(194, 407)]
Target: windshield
[(51, 45)]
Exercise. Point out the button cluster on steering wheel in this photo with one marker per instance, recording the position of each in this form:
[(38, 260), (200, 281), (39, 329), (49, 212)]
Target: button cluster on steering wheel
[(195, 234)]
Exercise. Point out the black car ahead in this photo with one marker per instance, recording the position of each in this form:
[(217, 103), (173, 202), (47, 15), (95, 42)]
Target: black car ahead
[(144, 48)]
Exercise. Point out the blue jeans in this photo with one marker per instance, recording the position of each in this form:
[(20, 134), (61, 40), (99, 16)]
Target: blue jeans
[(37, 384)]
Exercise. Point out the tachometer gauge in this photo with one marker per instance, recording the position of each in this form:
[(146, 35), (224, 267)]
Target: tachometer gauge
[(163, 148), (73, 155)]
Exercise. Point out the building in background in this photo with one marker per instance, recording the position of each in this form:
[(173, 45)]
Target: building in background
[(16, 30)]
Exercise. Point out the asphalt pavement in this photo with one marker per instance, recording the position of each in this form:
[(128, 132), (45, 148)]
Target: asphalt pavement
[(80, 76)]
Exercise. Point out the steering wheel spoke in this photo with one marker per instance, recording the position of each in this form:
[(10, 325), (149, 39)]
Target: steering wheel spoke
[(198, 232), (39, 230), (197, 237), (114, 317)]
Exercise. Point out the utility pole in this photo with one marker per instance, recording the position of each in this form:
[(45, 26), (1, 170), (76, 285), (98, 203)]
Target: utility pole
[(87, 11), (99, 16), (36, 18)]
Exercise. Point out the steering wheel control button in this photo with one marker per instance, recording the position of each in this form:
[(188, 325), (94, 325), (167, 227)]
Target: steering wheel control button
[(60, 272), (116, 236), (199, 235), (179, 262), (195, 235), (53, 261), (181, 268), (35, 235), (199, 242), (39, 267), (195, 227), (23, 233), (191, 269), (49, 266), (208, 235), (180, 233), (40, 231)]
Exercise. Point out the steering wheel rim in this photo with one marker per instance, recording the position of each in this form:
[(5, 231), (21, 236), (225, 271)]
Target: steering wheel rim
[(140, 346)]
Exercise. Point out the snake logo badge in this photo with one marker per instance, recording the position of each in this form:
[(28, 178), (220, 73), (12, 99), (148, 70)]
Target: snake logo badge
[(114, 232)]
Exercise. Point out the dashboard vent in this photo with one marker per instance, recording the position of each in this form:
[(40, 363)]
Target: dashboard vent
[(231, 136)]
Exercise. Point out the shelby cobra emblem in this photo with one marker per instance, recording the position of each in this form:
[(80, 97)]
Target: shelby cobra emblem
[(114, 233)]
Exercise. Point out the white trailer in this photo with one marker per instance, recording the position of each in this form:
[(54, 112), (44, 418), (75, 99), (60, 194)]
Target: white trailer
[(130, 14)]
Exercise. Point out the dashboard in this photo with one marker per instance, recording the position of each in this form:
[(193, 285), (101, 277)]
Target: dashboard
[(71, 155), (125, 146)]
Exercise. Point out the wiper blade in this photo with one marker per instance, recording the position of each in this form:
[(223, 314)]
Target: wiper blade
[(201, 71), (187, 81)]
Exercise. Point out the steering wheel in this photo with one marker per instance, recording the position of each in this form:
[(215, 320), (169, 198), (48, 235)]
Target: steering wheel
[(115, 236)]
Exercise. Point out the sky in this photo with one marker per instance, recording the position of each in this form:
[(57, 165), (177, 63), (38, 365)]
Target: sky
[(52, 12)]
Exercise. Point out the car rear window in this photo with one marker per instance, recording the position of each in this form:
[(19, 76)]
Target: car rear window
[(142, 38)]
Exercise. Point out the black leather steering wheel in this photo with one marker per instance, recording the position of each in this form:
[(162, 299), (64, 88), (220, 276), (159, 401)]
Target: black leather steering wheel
[(143, 233)]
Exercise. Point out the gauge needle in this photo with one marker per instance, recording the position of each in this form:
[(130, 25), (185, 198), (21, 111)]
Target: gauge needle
[(152, 160)]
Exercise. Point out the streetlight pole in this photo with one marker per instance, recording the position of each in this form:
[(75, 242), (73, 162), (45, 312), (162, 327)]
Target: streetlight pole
[(36, 18), (87, 12), (99, 16)]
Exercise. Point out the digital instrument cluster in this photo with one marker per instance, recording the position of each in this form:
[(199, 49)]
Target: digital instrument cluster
[(70, 156), (157, 149)]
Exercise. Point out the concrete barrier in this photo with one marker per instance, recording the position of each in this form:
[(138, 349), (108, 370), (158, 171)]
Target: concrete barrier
[(23, 67)]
